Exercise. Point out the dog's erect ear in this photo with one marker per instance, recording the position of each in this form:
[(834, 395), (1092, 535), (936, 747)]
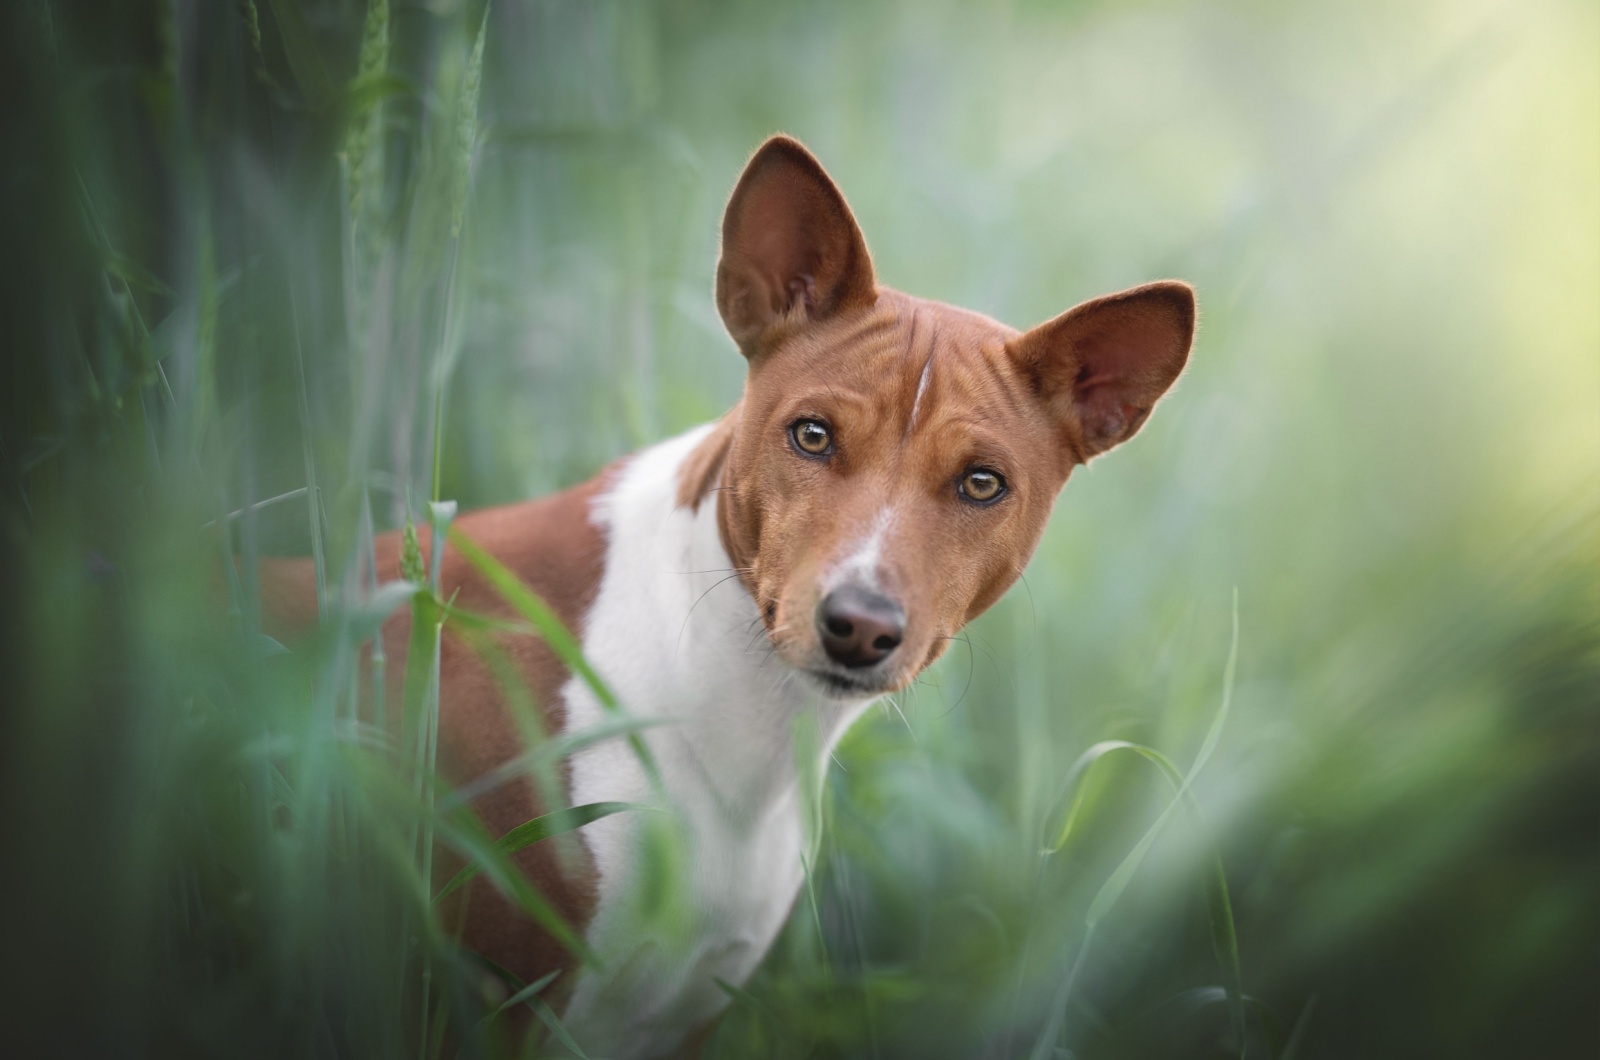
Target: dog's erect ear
[(791, 251), (1101, 366)]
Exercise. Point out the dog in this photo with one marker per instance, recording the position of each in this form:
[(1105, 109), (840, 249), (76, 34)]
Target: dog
[(884, 480)]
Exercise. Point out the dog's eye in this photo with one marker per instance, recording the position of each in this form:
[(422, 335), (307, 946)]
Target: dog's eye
[(982, 485), (811, 437)]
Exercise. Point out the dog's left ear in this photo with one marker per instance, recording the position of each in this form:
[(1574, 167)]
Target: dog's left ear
[(1100, 367), (792, 253)]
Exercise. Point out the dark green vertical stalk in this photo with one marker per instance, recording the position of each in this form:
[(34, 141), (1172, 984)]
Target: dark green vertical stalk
[(313, 496)]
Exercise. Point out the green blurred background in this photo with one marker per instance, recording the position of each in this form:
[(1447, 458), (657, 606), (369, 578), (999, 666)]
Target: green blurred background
[(231, 268)]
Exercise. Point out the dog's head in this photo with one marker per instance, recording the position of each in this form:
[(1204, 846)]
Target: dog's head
[(893, 461)]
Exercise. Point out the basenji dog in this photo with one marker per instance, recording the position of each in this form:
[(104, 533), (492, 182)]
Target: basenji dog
[(883, 480)]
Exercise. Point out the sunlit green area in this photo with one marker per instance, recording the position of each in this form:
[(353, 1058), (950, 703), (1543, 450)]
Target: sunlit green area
[(248, 246)]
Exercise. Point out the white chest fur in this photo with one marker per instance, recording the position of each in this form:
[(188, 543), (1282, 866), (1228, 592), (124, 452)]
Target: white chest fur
[(679, 639)]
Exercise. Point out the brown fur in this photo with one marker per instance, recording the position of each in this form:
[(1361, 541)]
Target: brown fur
[(699, 477)]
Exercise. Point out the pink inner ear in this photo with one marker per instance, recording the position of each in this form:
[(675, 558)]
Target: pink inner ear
[(1108, 388), (1104, 364), (803, 289), (1103, 417), (788, 240), (786, 233), (779, 238)]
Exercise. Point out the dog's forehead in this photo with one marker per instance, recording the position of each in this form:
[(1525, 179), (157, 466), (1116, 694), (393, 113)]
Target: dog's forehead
[(926, 332), (906, 353), (939, 364)]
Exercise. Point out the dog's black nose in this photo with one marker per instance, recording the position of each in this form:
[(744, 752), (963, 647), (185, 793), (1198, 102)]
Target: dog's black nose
[(858, 626)]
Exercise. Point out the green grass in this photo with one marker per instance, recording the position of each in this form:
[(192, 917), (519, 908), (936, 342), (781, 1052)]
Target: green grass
[(281, 276)]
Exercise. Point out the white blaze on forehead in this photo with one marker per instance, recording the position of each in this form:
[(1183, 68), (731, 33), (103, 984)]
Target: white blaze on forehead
[(922, 386), (861, 565)]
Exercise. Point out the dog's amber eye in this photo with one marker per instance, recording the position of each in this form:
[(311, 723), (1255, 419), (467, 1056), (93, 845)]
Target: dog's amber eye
[(811, 437), (982, 485)]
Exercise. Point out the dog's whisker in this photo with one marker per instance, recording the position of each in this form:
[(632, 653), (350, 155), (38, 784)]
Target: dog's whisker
[(679, 643), (971, 669), (896, 705)]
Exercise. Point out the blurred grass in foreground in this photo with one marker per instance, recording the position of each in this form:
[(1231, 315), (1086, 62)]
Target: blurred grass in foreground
[(244, 242)]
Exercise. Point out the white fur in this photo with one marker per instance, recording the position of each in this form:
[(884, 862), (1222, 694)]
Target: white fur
[(922, 387), (861, 566), (673, 643)]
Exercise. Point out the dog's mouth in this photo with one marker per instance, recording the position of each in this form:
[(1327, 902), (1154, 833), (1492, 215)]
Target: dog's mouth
[(847, 686)]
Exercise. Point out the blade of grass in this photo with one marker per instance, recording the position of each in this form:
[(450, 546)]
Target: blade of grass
[(538, 614), (419, 703), (552, 750), (365, 619), (532, 1000), (421, 679), (305, 61), (1187, 1003), (528, 994), (440, 516), (313, 498), (477, 632), (1113, 888), (365, 128), (1224, 938), (1297, 1034), (808, 746), (541, 753), (1219, 906), (257, 506), (467, 127), (378, 659), (464, 832), (521, 996), (555, 634), (540, 828), (548, 1017), (748, 1001), (466, 134)]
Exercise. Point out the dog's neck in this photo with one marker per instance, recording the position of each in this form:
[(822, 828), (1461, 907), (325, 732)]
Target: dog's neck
[(677, 631)]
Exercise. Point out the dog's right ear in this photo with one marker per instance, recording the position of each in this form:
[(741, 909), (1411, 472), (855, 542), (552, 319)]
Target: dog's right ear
[(791, 250)]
